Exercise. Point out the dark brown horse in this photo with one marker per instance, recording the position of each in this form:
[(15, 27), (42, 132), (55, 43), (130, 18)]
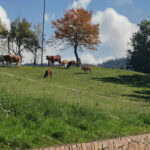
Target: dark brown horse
[(71, 63), (2, 59), (86, 69), (48, 73), (12, 59), (53, 59)]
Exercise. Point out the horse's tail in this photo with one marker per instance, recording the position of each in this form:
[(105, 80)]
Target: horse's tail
[(51, 74), (90, 70), (45, 74), (68, 65)]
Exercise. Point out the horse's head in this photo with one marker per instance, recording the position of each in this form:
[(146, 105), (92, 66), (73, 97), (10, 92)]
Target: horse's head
[(47, 57)]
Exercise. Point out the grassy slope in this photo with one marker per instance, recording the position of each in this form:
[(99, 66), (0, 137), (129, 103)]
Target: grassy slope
[(72, 106)]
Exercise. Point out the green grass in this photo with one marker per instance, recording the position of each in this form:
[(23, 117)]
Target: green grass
[(71, 107)]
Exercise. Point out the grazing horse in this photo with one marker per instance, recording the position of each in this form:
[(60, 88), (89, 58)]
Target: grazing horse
[(86, 69), (48, 73), (12, 59), (2, 59), (70, 63), (53, 59), (64, 63), (49, 58)]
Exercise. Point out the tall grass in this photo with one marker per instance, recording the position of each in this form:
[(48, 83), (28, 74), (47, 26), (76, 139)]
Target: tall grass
[(49, 112)]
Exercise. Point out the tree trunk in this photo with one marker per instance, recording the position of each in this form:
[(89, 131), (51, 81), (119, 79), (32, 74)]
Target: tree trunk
[(19, 53), (35, 57), (8, 45), (77, 57)]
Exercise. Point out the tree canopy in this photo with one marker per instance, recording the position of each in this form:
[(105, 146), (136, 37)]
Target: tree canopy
[(34, 44), (139, 56), (20, 36), (3, 29), (75, 29)]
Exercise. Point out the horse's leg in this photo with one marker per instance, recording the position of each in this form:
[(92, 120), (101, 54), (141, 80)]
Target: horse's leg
[(9, 63), (18, 64), (48, 63), (59, 62), (2, 63)]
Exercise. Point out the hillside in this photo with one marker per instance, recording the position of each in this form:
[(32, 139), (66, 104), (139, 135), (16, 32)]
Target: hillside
[(71, 106), (115, 63)]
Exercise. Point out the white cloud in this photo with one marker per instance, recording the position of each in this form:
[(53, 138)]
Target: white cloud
[(90, 59), (81, 3), (4, 18), (49, 17), (121, 2), (46, 18), (53, 16), (115, 30)]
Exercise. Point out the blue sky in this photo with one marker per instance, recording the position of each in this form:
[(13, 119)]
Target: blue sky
[(117, 19)]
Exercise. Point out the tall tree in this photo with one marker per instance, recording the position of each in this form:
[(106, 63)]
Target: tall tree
[(34, 44), (3, 35), (19, 34), (76, 29), (139, 55), (3, 29)]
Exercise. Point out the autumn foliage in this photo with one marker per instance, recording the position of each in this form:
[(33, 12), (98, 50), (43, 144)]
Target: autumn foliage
[(76, 29)]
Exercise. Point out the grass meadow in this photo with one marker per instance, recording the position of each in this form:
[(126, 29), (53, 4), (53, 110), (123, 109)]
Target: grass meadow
[(71, 107)]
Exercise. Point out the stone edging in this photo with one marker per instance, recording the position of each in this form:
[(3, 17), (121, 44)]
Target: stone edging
[(139, 142)]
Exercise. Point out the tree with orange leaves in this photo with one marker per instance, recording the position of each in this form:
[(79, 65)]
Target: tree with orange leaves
[(75, 29)]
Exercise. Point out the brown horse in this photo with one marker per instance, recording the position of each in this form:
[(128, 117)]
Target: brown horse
[(86, 69), (12, 59), (64, 63), (48, 73), (2, 59), (53, 59), (70, 63)]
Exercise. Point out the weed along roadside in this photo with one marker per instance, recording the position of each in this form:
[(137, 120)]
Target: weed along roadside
[(72, 107), (133, 142)]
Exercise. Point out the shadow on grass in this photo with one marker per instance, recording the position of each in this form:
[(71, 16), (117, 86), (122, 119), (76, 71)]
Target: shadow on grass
[(131, 80), (143, 96), (57, 67), (79, 73)]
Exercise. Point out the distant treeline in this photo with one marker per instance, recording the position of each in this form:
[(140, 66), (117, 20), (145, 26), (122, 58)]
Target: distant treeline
[(113, 63), (119, 63)]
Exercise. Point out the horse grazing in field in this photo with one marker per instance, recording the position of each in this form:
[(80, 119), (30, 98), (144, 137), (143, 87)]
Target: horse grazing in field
[(86, 69), (12, 59), (64, 63), (70, 63), (2, 59), (53, 59), (48, 73)]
